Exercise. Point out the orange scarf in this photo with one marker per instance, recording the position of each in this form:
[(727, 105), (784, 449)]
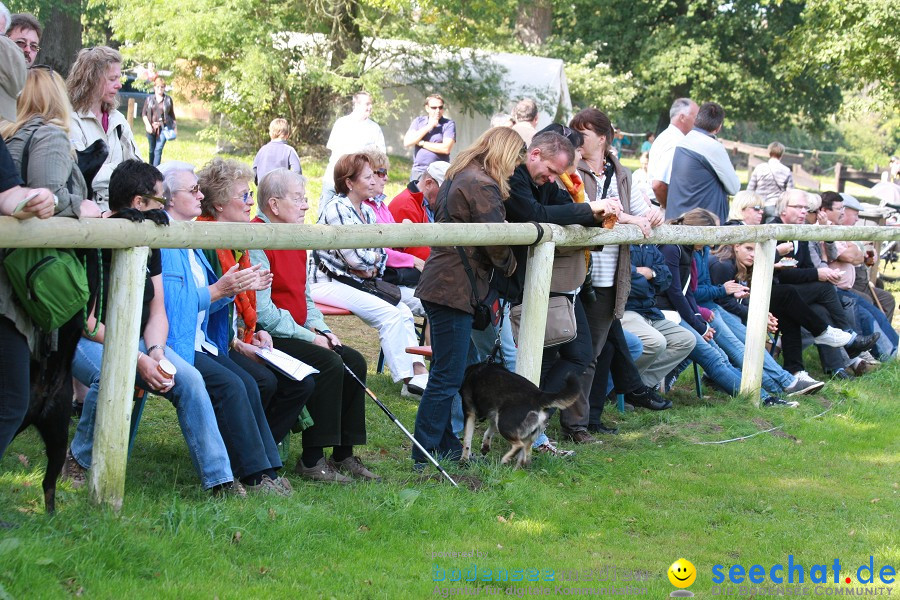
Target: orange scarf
[(244, 302), (575, 187)]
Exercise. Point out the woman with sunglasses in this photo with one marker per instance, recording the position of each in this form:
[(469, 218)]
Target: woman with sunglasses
[(747, 208), (337, 276), (226, 198)]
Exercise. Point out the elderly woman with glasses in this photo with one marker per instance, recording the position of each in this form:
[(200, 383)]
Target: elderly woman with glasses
[(746, 209), (226, 198), (194, 298), (337, 277)]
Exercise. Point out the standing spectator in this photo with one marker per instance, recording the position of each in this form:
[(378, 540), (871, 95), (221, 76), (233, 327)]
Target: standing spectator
[(640, 179), (93, 84), (158, 113), (526, 115), (25, 31), (432, 135), (702, 174), (682, 115), (770, 179), (277, 154), (648, 142), (416, 203), (12, 70), (18, 336), (351, 133)]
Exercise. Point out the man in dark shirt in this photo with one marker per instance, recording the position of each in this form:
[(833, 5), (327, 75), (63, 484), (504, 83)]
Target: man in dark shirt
[(432, 136)]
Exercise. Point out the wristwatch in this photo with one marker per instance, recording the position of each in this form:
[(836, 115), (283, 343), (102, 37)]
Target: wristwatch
[(653, 274)]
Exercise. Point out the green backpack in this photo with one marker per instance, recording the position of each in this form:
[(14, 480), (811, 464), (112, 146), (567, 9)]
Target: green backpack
[(50, 283)]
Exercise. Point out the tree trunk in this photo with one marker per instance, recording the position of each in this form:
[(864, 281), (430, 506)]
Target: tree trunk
[(59, 48), (345, 35), (533, 21)]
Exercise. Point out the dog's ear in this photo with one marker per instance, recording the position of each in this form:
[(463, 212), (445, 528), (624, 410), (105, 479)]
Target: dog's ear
[(131, 214), (157, 215)]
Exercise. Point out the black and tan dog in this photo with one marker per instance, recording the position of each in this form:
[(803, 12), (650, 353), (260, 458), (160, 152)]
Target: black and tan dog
[(512, 405)]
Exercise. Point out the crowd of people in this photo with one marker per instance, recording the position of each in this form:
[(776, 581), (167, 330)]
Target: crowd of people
[(642, 313)]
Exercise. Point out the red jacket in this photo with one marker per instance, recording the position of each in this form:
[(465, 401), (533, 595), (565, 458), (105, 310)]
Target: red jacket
[(408, 205)]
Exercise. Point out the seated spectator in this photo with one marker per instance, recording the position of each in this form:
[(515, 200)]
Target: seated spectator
[(816, 287), (224, 191), (42, 126), (192, 293), (137, 186), (746, 209), (402, 268), (277, 154), (417, 202), (789, 309), (665, 343), (288, 313), (862, 284), (336, 276)]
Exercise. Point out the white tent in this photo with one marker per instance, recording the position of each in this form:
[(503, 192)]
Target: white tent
[(543, 79)]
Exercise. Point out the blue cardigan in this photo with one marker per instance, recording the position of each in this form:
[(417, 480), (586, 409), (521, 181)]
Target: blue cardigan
[(707, 292), (184, 300)]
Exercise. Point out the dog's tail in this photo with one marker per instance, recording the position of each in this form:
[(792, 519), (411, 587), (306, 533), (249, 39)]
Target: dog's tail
[(564, 398)]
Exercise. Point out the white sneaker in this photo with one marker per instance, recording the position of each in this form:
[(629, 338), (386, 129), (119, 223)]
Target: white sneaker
[(405, 392), (804, 376), (418, 383), (800, 386), (833, 337)]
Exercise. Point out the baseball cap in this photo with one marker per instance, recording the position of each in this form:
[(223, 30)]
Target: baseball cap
[(438, 170), (851, 202)]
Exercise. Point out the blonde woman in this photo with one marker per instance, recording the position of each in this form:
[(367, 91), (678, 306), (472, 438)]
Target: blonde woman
[(93, 84), (474, 191), (746, 209), (42, 125)]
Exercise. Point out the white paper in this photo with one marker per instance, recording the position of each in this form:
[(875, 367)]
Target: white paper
[(290, 366)]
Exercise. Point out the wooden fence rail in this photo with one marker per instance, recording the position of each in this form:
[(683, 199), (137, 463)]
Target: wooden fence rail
[(129, 241)]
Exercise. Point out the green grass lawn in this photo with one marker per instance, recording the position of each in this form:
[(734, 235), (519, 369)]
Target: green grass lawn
[(819, 488)]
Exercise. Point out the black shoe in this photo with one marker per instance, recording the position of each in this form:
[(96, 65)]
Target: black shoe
[(646, 397), (601, 428), (775, 401), (861, 344), (841, 374)]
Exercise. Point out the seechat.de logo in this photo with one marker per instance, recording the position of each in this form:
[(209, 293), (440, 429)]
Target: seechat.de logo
[(797, 573)]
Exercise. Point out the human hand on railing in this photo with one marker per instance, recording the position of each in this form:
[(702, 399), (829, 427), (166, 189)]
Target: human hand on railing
[(772, 325), (24, 203), (148, 368), (655, 216), (89, 209), (642, 222)]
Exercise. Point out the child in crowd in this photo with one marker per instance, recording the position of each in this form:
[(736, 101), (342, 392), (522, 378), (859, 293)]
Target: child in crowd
[(277, 154)]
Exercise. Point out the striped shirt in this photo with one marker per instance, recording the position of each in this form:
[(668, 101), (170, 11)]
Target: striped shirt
[(341, 212)]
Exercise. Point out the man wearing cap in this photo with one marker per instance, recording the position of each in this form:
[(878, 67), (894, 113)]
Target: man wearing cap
[(415, 204), (862, 286), (12, 70)]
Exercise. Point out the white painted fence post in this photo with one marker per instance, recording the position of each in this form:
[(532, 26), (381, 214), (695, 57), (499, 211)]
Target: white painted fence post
[(114, 403), (758, 319), (534, 311)]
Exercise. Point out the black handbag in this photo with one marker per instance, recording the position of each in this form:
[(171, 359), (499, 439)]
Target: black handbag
[(487, 310), (405, 276)]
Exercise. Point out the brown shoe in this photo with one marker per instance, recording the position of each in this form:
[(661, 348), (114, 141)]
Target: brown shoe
[(862, 367), (267, 485), (322, 471), (230, 489), (285, 484), (74, 472), (581, 437), (355, 468)]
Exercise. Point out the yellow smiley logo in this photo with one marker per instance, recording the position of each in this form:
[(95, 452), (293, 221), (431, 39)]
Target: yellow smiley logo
[(682, 573)]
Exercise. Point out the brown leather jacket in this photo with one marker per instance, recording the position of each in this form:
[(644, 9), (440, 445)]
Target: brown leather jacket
[(623, 268), (471, 197)]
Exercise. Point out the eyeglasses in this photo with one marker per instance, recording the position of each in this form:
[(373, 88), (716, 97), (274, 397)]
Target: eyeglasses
[(297, 199), (25, 45), (154, 198), (800, 207), (246, 197), (193, 189), (441, 107), (381, 173)]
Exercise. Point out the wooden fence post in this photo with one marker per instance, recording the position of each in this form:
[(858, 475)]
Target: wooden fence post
[(758, 319), (114, 403), (534, 311)]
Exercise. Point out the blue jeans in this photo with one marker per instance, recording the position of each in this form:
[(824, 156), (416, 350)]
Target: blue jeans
[(715, 363), (730, 336), (451, 338), (484, 342), (192, 405), (15, 365), (156, 143), (869, 317)]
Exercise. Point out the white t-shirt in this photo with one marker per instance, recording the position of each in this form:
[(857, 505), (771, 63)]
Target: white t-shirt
[(661, 153), (350, 135)]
